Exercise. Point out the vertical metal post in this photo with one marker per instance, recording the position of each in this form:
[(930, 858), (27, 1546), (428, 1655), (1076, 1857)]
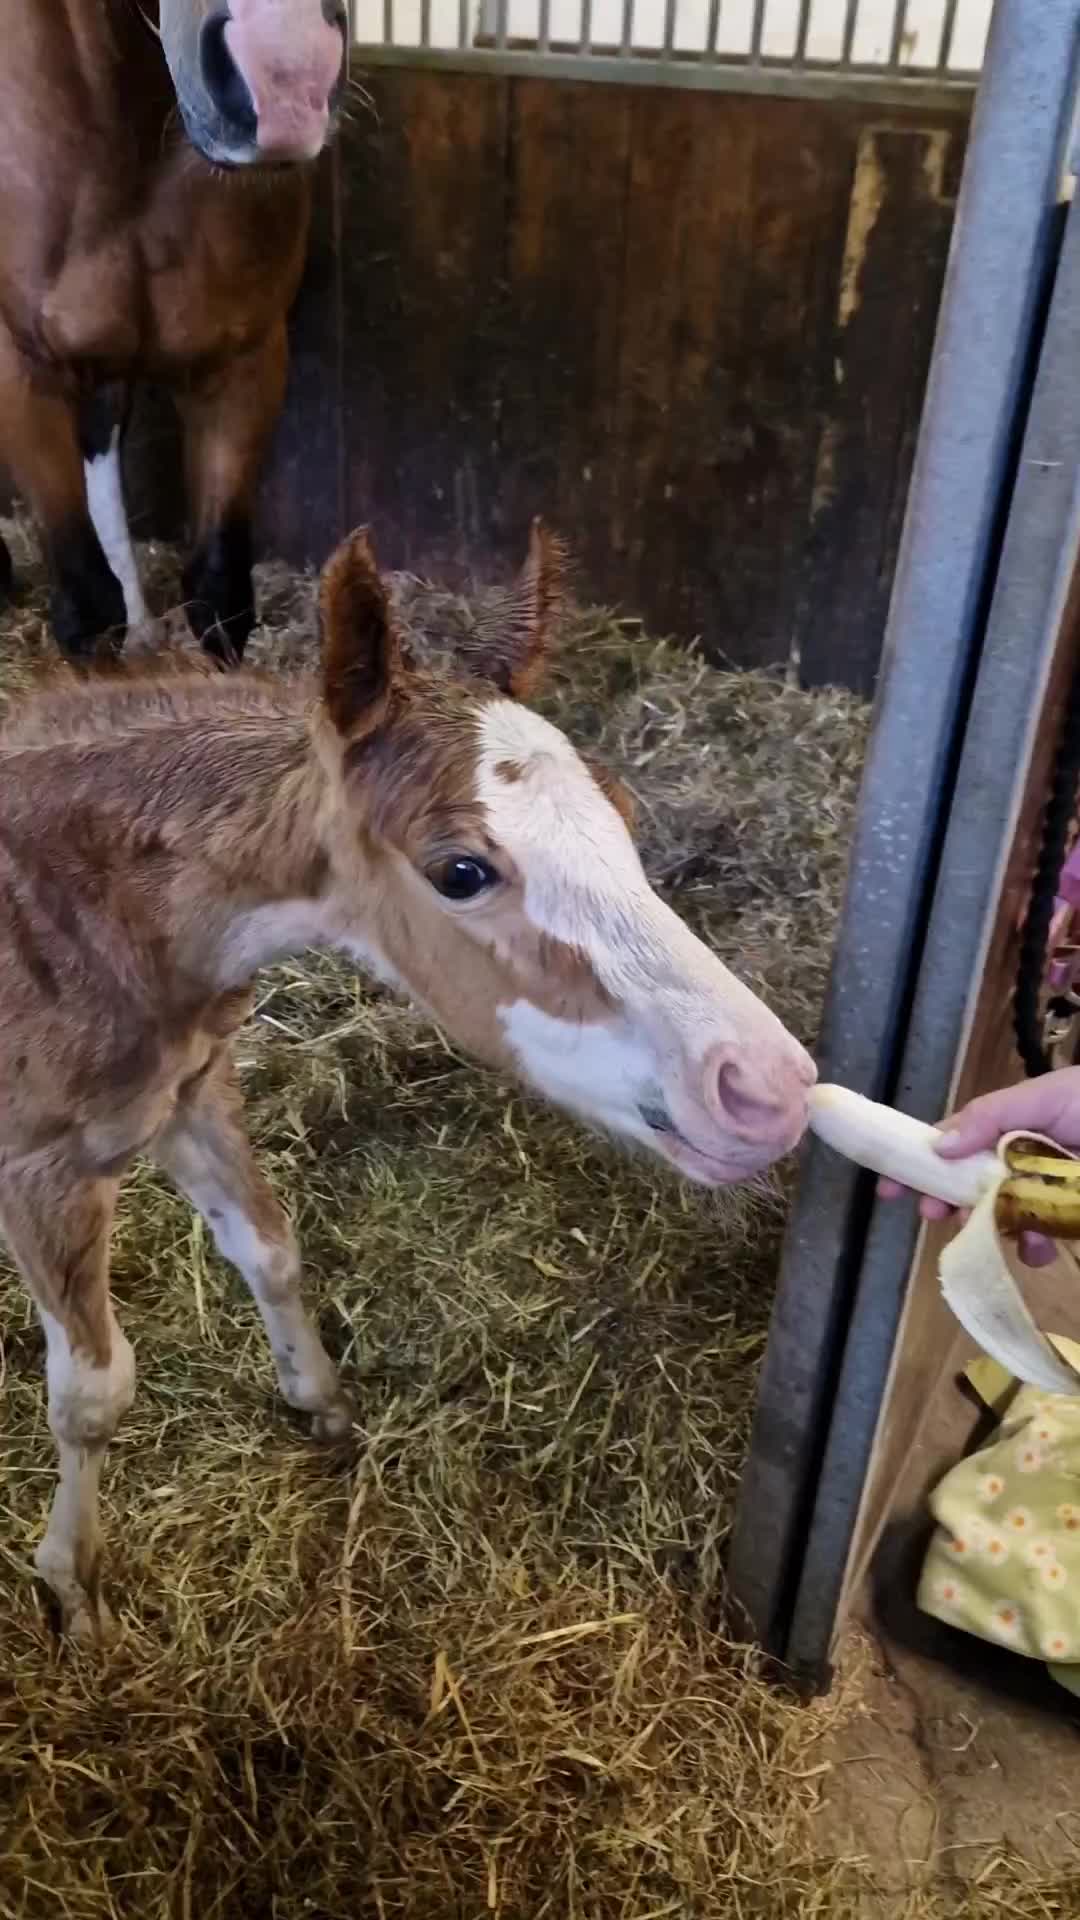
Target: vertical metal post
[(757, 32), (896, 42), (802, 33), (991, 306), (851, 21), (948, 28)]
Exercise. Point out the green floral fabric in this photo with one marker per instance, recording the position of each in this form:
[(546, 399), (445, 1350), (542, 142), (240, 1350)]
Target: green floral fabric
[(1004, 1562)]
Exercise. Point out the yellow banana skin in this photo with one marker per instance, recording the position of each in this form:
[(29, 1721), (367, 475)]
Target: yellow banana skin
[(1041, 1193)]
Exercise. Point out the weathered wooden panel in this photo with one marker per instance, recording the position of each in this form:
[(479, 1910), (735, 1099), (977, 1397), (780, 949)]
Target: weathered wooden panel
[(691, 329), (427, 322), (899, 219)]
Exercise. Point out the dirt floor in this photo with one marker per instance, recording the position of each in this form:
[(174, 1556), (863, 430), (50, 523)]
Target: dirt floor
[(478, 1663)]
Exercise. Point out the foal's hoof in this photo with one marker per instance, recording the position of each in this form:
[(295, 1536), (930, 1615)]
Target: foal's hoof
[(334, 1423), (90, 1623)]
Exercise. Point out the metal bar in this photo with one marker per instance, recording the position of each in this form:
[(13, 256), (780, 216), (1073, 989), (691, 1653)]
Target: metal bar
[(712, 30), (1038, 560), (994, 284), (757, 31), (463, 33), (899, 27), (627, 41), (812, 82), (585, 43), (803, 32), (669, 27), (543, 33), (388, 22), (948, 28), (425, 23), (502, 20), (851, 21)]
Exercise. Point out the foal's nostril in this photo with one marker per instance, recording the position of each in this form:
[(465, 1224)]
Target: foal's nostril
[(223, 79), (744, 1102)]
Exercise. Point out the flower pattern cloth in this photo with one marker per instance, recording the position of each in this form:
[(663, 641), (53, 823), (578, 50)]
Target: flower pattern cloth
[(1004, 1562)]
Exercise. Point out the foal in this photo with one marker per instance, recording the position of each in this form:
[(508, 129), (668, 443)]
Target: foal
[(154, 210), (163, 834)]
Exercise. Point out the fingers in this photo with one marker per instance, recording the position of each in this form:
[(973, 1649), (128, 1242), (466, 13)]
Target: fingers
[(1036, 1250), (929, 1208), (1050, 1104)]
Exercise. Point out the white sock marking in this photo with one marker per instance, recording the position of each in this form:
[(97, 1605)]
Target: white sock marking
[(105, 498)]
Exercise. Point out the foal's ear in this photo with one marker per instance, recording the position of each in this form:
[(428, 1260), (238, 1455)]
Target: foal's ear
[(360, 653), (515, 635)]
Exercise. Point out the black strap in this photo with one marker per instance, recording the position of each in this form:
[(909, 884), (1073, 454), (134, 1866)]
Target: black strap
[(1028, 1016)]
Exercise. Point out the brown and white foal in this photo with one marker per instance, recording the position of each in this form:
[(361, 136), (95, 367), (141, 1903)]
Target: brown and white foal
[(165, 833)]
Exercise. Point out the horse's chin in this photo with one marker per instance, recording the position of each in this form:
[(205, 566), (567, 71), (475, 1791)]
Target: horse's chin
[(239, 162)]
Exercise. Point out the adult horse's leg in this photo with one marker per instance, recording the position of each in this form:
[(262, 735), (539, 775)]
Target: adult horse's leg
[(103, 418), (228, 417), (40, 444)]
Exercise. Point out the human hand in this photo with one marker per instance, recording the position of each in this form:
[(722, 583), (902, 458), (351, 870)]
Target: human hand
[(1048, 1105)]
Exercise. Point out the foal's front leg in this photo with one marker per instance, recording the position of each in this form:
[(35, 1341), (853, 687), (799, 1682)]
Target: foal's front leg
[(206, 1151), (58, 1231)]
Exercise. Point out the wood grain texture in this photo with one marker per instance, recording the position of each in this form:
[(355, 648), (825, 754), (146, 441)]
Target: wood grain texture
[(691, 329)]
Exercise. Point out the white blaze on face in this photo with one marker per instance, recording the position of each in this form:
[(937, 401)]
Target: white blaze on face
[(679, 1013)]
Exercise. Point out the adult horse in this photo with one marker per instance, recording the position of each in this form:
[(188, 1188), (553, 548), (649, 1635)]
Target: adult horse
[(155, 187)]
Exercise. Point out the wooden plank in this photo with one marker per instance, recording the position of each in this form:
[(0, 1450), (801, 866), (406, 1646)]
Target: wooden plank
[(903, 192), (423, 238), (302, 505), (731, 224), (558, 381)]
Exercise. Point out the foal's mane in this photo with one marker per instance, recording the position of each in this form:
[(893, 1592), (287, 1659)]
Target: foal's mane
[(144, 695)]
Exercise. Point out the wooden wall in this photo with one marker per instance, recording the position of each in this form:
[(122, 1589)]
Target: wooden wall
[(691, 329)]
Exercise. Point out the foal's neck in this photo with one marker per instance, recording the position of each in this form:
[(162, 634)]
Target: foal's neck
[(254, 880)]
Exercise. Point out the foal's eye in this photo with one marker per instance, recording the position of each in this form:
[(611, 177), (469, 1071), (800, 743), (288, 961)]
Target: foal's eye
[(463, 877)]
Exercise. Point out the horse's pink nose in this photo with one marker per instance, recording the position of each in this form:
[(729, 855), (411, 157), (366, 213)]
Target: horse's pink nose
[(271, 72), (760, 1094)]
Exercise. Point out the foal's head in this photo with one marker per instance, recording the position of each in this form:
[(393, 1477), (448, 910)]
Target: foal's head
[(256, 80), (489, 870)]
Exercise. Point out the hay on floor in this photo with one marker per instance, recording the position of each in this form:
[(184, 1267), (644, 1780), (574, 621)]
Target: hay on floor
[(479, 1665)]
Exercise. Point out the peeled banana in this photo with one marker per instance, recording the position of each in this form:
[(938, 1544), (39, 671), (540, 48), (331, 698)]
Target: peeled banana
[(1029, 1184), (1038, 1186)]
